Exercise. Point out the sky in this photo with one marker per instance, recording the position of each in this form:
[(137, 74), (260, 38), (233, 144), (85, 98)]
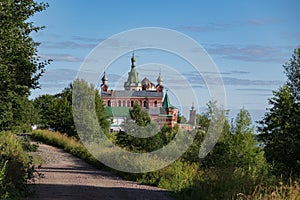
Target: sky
[(248, 41)]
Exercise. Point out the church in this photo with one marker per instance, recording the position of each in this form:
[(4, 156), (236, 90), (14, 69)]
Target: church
[(148, 95)]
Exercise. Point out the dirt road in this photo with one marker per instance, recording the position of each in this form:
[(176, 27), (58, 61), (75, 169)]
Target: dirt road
[(66, 177)]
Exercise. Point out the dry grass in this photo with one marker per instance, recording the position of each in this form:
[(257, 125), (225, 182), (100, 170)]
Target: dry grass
[(69, 144), (290, 191)]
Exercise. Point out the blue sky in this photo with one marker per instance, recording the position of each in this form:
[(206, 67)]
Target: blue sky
[(248, 40)]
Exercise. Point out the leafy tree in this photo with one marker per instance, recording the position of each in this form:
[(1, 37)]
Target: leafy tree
[(235, 165), (181, 119), (140, 116), (87, 103), (56, 112), (20, 67), (101, 113), (213, 113), (245, 152), (149, 137), (279, 129), (44, 108)]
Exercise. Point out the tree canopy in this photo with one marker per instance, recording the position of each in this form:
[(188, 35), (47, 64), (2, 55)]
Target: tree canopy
[(20, 65), (280, 127)]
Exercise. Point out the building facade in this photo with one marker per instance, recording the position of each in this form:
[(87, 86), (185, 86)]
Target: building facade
[(148, 95)]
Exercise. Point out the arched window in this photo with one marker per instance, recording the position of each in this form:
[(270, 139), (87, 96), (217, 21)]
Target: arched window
[(119, 103), (145, 104), (132, 103), (128, 103), (155, 103), (124, 103), (108, 103), (141, 103)]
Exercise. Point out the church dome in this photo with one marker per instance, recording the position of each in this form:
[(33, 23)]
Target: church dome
[(159, 79)]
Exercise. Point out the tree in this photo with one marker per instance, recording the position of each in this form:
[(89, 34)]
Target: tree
[(20, 67), (292, 71), (86, 105), (279, 131), (236, 164), (140, 116), (280, 127), (244, 150), (43, 106), (56, 112), (181, 119), (101, 113)]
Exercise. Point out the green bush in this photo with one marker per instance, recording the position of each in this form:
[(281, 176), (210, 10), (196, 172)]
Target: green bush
[(3, 167), (16, 167)]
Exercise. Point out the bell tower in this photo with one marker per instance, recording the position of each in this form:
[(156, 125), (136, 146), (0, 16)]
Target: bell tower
[(192, 119)]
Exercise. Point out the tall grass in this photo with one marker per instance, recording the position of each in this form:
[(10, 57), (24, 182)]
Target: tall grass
[(3, 166), (15, 167), (188, 180), (279, 191), (68, 144), (174, 177)]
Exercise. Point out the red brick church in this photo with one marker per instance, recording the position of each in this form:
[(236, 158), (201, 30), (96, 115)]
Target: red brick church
[(148, 95)]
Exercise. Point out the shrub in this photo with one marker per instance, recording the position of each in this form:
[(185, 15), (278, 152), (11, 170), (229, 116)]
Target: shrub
[(15, 167)]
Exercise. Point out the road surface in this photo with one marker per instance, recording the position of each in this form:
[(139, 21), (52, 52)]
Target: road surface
[(66, 177)]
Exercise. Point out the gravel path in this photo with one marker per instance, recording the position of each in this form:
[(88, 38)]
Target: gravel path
[(66, 177)]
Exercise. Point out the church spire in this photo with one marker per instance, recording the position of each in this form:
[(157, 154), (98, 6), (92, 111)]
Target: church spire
[(159, 79), (133, 82), (133, 60), (104, 78), (166, 103), (104, 85)]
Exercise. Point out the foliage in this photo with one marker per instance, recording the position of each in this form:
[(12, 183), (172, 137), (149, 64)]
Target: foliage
[(181, 119), (26, 144), (3, 167), (279, 129), (140, 116), (88, 111), (178, 176), (292, 71), (16, 168), (100, 112), (158, 139), (235, 165), (56, 111), (20, 67)]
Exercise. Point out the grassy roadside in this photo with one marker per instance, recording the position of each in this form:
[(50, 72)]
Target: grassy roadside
[(68, 144), (16, 167), (183, 178)]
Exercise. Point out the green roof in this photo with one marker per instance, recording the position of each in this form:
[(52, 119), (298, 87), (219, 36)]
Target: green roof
[(166, 103), (117, 111)]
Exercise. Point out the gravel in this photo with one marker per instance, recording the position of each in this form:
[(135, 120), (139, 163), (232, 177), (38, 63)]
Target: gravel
[(66, 177)]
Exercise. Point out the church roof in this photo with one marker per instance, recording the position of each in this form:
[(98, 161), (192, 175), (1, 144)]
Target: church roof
[(166, 103), (117, 111), (132, 93)]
